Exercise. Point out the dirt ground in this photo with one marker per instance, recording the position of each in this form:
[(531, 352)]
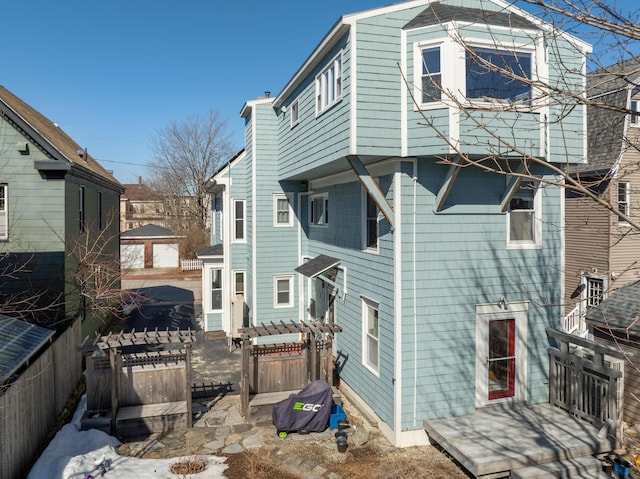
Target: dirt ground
[(373, 460)]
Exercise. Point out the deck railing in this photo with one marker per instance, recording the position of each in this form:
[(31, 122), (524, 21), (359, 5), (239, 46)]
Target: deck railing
[(572, 321), (191, 264), (585, 383)]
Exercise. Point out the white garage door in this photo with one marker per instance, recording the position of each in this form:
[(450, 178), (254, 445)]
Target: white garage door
[(132, 256), (165, 255)]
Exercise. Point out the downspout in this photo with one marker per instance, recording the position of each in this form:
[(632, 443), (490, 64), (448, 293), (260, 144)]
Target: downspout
[(415, 293)]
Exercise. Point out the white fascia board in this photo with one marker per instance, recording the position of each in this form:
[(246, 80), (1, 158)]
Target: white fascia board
[(343, 25)]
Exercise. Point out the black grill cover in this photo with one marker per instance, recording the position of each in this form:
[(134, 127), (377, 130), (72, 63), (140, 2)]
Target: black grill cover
[(308, 410)]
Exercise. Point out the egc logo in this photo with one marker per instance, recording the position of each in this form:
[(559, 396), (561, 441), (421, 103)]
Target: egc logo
[(300, 406)]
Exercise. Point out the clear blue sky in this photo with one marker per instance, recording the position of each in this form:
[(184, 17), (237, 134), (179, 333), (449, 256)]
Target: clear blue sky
[(113, 72)]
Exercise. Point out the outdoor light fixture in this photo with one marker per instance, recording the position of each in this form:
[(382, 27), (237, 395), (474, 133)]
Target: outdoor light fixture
[(502, 303)]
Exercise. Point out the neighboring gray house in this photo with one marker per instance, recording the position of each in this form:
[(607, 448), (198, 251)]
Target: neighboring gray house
[(442, 277)]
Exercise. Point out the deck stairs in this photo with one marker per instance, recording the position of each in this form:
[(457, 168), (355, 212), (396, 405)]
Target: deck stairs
[(587, 467)]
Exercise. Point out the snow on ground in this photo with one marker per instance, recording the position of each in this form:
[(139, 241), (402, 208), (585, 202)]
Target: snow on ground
[(75, 454)]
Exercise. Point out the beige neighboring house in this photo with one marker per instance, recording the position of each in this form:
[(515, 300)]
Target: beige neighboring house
[(140, 205), (602, 250)]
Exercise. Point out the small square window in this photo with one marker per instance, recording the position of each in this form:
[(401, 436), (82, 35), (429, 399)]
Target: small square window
[(319, 210)]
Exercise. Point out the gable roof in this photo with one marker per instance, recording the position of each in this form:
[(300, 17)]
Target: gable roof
[(51, 138), (437, 13), (606, 126), (620, 311), (19, 341), (150, 231)]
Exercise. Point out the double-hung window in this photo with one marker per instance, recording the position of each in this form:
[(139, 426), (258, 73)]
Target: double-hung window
[(319, 210), (4, 213), (216, 289), (495, 74), (239, 220), (431, 75), (283, 291), (282, 214), (329, 85), (370, 335), (524, 228), (623, 201)]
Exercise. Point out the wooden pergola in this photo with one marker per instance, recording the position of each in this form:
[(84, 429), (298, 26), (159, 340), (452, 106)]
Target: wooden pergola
[(114, 342), (309, 330)]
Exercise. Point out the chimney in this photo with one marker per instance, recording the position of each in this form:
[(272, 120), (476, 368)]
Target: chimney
[(139, 180), (267, 94)]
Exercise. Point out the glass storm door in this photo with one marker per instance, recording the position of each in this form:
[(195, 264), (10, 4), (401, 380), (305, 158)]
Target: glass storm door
[(501, 360)]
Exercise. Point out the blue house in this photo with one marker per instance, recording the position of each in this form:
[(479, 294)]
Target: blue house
[(362, 197)]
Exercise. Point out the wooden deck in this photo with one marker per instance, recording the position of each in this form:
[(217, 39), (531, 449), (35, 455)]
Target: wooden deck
[(498, 439)]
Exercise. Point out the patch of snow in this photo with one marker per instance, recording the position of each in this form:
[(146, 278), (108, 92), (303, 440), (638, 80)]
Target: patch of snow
[(75, 454)]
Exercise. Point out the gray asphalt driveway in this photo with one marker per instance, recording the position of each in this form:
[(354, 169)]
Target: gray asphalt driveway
[(176, 303)]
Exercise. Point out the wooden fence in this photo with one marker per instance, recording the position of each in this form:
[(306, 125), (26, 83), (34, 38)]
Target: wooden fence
[(582, 381), (30, 407)]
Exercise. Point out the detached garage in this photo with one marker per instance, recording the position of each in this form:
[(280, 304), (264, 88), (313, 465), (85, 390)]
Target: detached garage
[(149, 246)]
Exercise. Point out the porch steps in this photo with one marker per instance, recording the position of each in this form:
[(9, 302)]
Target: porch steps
[(587, 467)]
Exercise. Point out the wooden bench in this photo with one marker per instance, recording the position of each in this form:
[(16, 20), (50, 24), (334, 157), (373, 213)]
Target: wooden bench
[(147, 418)]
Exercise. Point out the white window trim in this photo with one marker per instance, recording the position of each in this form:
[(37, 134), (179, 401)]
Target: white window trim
[(417, 73), (281, 277), (634, 120), (537, 224), (294, 107), (4, 235), (244, 221), (366, 304), (622, 222), (365, 224), (244, 281), (585, 281), (289, 198), (453, 72), (210, 289), (325, 198), (323, 104)]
